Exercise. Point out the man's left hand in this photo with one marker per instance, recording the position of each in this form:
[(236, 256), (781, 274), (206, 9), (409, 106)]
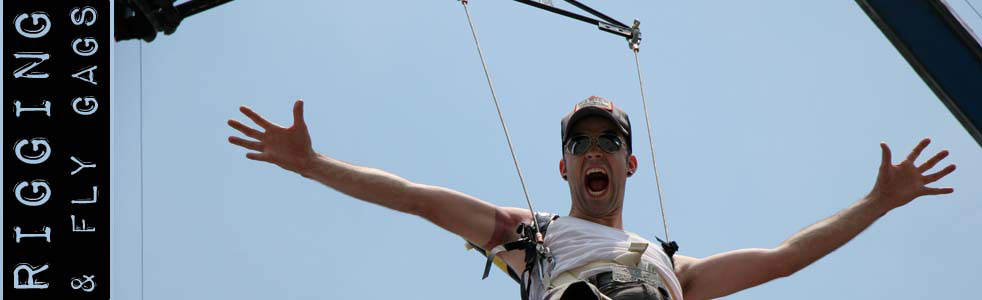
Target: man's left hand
[(897, 185)]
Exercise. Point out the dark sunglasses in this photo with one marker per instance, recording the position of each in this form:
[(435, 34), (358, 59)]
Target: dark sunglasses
[(580, 144)]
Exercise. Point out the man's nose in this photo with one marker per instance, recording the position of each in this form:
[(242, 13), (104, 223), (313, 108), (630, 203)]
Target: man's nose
[(594, 152)]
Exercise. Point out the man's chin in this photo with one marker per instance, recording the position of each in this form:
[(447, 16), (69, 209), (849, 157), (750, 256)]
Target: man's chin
[(597, 206)]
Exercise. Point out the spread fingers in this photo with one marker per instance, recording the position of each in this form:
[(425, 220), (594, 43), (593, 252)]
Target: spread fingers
[(262, 122), (258, 156), (938, 191), (251, 145), (248, 131), (917, 150), (930, 163), (938, 175)]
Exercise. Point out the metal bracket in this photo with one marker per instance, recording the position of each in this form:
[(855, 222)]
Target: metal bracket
[(621, 31), (608, 24)]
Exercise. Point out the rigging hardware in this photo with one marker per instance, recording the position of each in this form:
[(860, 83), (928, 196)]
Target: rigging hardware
[(142, 19), (631, 33)]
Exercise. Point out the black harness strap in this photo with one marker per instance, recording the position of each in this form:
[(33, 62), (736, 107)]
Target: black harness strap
[(535, 252), (511, 272), (521, 243)]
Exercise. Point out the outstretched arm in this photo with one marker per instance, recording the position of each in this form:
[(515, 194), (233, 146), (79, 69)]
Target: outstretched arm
[(730, 272), (290, 148)]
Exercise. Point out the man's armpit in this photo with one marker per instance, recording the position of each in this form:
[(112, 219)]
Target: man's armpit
[(506, 220), (500, 232)]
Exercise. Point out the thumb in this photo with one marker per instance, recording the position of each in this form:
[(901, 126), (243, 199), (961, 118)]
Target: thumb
[(298, 113), (886, 161)]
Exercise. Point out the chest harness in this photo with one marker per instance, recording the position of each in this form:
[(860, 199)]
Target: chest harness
[(536, 253)]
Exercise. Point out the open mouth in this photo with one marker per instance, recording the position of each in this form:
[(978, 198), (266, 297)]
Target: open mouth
[(596, 181)]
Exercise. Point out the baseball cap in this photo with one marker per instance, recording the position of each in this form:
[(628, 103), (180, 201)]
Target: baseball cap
[(597, 106)]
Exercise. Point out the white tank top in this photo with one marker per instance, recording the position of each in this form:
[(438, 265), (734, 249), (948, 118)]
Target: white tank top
[(575, 242)]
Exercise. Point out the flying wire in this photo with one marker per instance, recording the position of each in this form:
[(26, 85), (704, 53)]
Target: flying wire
[(501, 116), (141, 170), (651, 144)]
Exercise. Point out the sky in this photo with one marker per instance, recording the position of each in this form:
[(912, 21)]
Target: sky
[(766, 118)]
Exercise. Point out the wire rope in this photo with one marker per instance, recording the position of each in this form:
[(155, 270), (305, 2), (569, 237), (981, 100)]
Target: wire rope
[(141, 170), (501, 116), (651, 144)]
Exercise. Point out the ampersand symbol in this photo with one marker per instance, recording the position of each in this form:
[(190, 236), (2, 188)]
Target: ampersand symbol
[(86, 283)]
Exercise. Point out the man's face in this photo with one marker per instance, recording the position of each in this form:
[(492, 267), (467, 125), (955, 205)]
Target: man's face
[(597, 177)]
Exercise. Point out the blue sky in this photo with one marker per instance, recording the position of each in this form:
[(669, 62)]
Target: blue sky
[(766, 115)]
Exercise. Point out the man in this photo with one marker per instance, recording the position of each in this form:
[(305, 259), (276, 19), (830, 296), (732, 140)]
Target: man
[(591, 256)]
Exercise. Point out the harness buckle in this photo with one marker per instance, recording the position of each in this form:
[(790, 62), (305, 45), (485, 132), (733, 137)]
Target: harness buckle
[(628, 274)]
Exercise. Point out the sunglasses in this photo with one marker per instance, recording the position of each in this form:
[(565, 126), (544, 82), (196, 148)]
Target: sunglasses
[(580, 144)]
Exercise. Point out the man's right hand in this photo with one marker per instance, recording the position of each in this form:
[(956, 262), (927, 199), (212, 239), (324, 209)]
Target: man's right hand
[(477, 221), (287, 147)]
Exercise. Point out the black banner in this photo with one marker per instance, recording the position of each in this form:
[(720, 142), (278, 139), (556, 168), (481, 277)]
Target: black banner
[(942, 49), (56, 127)]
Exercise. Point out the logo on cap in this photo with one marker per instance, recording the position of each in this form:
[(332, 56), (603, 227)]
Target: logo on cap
[(595, 102)]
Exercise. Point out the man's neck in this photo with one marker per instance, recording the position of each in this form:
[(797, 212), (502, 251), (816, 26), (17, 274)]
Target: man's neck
[(614, 220)]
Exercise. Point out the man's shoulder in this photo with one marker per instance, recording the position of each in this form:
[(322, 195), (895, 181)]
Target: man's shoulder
[(545, 219), (525, 215)]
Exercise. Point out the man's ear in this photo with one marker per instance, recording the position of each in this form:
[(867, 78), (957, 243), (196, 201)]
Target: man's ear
[(632, 165), (562, 168)]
